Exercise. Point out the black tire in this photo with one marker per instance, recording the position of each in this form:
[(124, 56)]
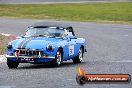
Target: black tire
[(79, 57), (58, 59), (12, 64)]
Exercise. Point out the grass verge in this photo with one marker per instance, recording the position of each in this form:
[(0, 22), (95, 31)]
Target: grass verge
[(4, 42), (99, 12)]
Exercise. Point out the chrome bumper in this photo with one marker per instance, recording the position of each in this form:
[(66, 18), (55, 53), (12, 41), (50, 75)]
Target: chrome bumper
[(8, 56)]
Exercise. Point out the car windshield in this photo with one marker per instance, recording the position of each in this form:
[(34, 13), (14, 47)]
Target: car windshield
[(45, 32)]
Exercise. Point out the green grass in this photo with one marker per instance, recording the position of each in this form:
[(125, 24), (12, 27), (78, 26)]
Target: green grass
[(99, 12)]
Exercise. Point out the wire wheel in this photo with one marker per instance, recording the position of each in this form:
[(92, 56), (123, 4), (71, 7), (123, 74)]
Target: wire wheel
[(79, 57), (58, 59)]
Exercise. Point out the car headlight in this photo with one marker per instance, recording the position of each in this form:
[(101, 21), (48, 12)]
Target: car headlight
[(50, 48), (9, 47)]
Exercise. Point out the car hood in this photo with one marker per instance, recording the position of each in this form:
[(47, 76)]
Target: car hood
[(36, 42)]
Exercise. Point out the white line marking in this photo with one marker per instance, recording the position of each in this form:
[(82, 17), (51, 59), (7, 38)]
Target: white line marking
[(70, 79), (8, 35), (7, 86), (125, 35), (122, 61), (5, 34)]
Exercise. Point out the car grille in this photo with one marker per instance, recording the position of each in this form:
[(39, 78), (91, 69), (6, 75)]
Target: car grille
[(25, 52)]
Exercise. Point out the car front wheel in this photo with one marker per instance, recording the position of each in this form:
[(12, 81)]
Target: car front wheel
[(79, 57), (57, 61), (12, 64)]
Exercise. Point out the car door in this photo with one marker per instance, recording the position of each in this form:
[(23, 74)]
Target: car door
[(73, 45)]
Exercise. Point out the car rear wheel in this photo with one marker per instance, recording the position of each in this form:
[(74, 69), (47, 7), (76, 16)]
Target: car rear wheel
[(79, 57), (12, 64), (58, 58)]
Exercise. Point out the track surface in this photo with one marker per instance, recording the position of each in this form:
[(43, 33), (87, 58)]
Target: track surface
[(55, 1), (109, 51)]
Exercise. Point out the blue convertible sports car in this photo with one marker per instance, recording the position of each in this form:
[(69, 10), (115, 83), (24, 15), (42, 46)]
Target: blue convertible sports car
[(51, 42)]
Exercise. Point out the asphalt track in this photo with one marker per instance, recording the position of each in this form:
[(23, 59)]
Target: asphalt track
[(55, 1), (109, 51)]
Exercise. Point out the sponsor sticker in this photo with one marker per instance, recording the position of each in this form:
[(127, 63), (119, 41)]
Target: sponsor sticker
[(71, 50)]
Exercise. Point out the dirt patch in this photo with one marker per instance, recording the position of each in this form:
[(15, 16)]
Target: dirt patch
[(4, 40)]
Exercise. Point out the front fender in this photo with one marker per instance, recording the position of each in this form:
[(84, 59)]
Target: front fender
[(52, 53)]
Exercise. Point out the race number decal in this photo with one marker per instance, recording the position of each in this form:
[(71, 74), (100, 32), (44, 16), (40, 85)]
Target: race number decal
[(71, 50)]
